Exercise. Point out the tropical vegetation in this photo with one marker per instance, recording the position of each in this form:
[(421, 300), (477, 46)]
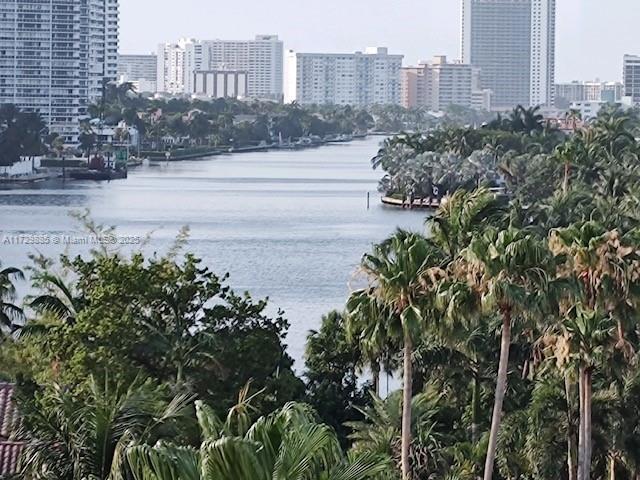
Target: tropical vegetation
[(507, 331)]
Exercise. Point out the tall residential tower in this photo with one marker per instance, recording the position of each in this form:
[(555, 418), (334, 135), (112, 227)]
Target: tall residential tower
[(55, 56), (631, 78), (513, 44)]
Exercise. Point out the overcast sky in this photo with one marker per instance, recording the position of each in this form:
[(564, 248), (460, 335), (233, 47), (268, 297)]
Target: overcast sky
[(593, 35)]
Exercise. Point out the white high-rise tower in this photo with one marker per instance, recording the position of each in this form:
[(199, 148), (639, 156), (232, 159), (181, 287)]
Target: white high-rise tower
[(513, 43), (55, 57)]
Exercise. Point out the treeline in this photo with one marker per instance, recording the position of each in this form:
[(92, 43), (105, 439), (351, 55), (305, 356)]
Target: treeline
[(183, 123), (229, 121)]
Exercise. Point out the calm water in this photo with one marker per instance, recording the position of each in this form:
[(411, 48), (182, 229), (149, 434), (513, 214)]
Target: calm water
[(290, 225)]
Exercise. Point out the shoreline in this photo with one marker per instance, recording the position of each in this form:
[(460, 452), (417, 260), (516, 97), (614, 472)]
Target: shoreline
[(258, 148)]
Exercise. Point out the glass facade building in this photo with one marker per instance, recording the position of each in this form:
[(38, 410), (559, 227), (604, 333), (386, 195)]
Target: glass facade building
[(513, 44)]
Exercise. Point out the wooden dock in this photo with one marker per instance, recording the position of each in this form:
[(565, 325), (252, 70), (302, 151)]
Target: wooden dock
[(420, 203)]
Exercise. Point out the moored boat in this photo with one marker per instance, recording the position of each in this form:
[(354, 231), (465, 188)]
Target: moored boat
[(98, 175)]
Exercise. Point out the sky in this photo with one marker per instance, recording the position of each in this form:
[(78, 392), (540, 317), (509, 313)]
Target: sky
[(592, 35)]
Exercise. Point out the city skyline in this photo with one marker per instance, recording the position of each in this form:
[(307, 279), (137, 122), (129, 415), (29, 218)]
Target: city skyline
[(581, 25)]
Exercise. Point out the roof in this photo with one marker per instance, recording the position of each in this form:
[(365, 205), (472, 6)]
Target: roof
[(8, 411), (10, 457), (9, 419)]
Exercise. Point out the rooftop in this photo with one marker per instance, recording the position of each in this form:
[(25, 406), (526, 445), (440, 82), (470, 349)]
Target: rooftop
[(10, 450)]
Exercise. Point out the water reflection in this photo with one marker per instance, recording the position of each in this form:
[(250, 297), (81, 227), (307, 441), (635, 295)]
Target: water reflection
[(289, 225)]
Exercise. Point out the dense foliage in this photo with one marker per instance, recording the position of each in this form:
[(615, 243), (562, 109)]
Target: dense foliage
[(455, 157), (21, 135)]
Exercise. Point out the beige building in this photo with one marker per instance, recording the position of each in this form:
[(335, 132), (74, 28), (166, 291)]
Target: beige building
[(414, 86), (438, 84)]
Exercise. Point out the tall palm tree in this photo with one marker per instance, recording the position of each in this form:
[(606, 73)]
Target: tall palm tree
[(590, 334), (569, 153), (10, 313), (604, 266), (509, 270), (402, 272), (286, 444)]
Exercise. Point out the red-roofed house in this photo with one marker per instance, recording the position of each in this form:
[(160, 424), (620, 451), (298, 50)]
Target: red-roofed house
[(10, 450)]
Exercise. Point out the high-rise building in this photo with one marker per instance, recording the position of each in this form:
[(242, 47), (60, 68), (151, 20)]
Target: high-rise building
[(631, 78), (358, 79), (55, 57), (437, 85), (139, 70), (513, 44), (172, 74), (103, 44), (414, 85), (451, 83), (261, 58)]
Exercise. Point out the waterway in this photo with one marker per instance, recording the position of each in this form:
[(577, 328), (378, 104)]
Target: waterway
[(288, 225)]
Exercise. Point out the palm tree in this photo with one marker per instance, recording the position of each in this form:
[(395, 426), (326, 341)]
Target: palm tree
[(58, 298), (463, 215), (289, 443), (532, 119), (380, 430), (526, 120), (590, 334), (509, 271), (10, 313), (366, 327), (604, 267), (613, 135), (573, 118), (58, 146), (71, 436), (402, 272), (568, 153), (458, 141)]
